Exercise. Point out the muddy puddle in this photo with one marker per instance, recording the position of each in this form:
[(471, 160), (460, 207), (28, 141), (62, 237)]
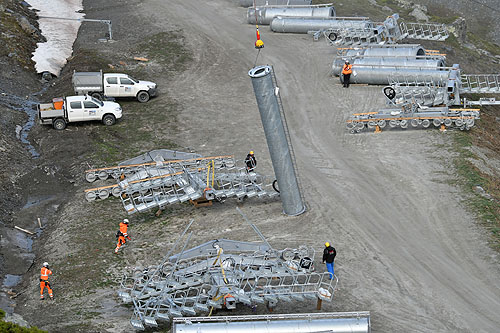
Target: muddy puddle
[(28, 105), (17, 247)]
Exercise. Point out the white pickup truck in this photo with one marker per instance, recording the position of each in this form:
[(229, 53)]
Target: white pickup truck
[(98, 85), (78, 108)]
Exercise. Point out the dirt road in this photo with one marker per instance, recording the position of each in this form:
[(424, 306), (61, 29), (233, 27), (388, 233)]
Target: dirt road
[(408, 251)]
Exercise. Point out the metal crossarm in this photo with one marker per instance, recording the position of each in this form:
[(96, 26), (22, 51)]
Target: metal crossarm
[(412, 115), (350, 33), (424, 31), (123, 171), (481, 83)]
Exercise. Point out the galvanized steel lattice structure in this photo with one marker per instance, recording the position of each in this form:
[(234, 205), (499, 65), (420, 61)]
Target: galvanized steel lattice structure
[(145, 186), (220, 274)]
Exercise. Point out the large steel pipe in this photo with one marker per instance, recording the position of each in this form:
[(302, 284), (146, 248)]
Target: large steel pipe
[(277, 141), (350, 323), (380, 74), (389, 62), (374, 65), (264, 15), (250, 3), (406, 50), (302, 25)]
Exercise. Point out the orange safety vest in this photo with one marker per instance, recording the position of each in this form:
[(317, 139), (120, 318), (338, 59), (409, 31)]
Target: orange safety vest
[(347, 69), (44, 273), (123, 228)]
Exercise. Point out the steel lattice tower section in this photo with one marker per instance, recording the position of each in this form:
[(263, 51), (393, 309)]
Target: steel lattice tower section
[(280, 148)]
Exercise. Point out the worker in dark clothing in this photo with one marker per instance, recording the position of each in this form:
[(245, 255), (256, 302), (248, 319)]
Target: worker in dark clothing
[(329, 257), (251, 162), (346, 73)]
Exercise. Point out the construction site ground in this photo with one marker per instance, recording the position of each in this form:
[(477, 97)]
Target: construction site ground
[(409, 249)]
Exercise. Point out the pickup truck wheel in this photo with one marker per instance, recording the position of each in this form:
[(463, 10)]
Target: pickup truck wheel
[(143, 96), (96, 95), (59, 124), (108, 120)]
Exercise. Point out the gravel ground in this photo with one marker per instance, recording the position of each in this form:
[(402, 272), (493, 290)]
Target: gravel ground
[(408, 250)]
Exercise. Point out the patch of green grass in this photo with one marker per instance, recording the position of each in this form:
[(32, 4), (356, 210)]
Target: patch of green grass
[(469, 177), (443, 19), (144, 126), (168, 49), (9, 327), (483, 44)]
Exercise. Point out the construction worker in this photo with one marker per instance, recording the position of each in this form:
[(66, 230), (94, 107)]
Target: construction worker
[(44, 280), (329, 257), (121, 234), (251, 162), (124, 228), (346, 73)]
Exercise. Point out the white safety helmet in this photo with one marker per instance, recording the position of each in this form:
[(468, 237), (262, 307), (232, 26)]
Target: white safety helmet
[(45, 264), (125, 221)]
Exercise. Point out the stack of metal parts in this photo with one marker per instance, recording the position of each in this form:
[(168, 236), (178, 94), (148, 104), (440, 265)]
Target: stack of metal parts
[(419, 101), (427, 91), (480, 84), (413, 115), (145, 186), (220, 274), (377, 63), (265, 14)]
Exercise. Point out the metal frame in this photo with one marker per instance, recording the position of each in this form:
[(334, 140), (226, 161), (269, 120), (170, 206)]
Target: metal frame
[(146, 186), (222, 273)]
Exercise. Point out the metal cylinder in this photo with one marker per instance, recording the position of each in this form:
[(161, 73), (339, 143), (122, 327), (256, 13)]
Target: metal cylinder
[(353, 324), (399, 51), (407, 50), (302, 25), (374, 65), (250, 3), (277, 141), (264, 15)]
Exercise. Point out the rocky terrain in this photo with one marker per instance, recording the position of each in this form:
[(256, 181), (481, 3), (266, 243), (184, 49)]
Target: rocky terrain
[(416, 225)]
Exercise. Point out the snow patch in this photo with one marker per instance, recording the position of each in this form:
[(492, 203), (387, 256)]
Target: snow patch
[(51, 55)]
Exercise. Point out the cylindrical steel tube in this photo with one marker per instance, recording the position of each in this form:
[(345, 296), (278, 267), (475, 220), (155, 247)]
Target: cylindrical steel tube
[(409, 50), (302, 25), (397, 62), (250, 3), (277, 141), (333, 325), (388, 51), (264, 15)]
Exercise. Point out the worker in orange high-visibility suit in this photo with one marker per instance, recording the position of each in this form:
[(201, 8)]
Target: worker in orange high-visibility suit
[(44, 280), (121, 234), (346, 73)]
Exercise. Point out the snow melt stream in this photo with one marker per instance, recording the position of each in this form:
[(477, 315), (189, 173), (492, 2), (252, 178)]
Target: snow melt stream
[(51, 55)]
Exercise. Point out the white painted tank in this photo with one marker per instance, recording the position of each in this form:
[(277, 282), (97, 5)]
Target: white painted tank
[(302, 25), (264, 15), (250, 3)]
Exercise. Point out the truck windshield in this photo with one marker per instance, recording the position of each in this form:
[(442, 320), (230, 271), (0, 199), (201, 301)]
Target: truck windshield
[(136, 81), (95, 100)]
